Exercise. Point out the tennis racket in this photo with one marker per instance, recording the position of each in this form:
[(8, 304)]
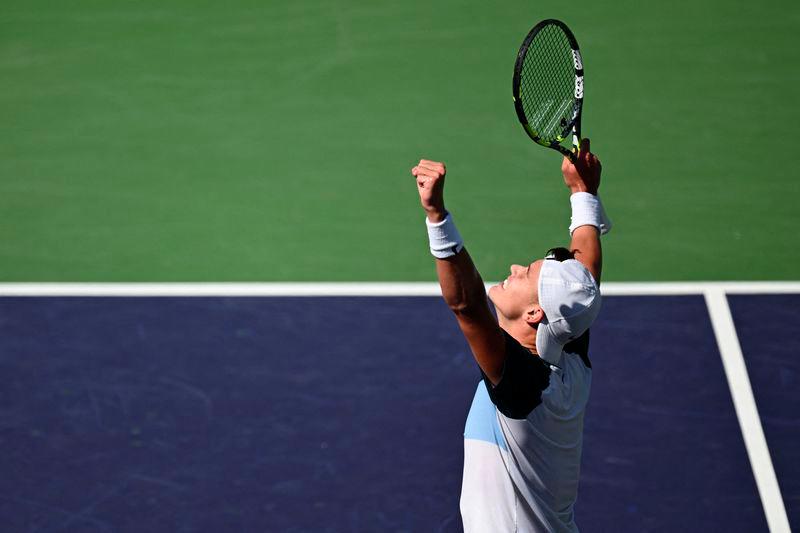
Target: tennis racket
[(548, 86)]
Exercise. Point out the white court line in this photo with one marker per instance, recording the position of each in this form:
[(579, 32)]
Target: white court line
[(746, 411), (365, 289), (220, 289)]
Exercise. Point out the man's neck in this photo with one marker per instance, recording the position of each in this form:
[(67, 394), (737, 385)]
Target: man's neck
[(521, 331)]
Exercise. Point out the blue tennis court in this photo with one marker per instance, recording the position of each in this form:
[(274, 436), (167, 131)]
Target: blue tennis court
[(345, 413)]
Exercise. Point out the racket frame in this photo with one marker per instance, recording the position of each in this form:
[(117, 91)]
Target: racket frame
[(574, 125)]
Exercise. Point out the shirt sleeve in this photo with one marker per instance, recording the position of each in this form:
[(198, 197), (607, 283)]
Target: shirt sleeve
[(524, 378)]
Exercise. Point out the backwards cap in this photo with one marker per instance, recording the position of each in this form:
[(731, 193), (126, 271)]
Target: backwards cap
[(570, 299)]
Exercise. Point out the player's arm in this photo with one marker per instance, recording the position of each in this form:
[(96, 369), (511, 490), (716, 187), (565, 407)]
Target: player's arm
[(584, 177), (462, 287)]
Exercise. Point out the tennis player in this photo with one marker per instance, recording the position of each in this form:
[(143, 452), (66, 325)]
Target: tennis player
[(524, 431)]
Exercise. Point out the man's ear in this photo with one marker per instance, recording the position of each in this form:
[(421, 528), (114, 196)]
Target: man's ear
[(534, 316)]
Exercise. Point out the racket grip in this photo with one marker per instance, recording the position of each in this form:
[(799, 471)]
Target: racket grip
[(573, 155)]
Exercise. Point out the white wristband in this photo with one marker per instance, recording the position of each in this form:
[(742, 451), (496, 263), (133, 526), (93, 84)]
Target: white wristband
[(587, 210), (605, 222), (444, 238)]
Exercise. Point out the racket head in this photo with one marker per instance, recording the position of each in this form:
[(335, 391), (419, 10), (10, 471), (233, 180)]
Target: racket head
[(548, 86)]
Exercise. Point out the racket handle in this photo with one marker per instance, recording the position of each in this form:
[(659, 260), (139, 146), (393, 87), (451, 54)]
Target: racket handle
[(573, 155), (576, 143)]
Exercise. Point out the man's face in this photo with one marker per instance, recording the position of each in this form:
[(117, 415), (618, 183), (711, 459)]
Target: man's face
[(518, 294)]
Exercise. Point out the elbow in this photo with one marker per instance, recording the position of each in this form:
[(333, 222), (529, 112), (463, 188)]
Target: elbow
[(466, 305), (459, 307), (466, 312)]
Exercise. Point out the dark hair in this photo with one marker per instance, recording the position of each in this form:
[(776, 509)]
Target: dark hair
[(559, 254)]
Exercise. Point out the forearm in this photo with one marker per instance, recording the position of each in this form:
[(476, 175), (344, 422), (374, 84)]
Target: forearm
[(586, 246), (462, 287), (588, 222)]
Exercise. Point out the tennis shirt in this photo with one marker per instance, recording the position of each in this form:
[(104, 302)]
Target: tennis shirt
[(522, 443)]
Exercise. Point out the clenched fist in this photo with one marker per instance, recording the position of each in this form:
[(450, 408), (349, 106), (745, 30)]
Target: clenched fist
[(430, 185)]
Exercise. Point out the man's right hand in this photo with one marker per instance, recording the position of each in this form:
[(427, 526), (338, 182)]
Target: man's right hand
[(584, 174), (430, 185)]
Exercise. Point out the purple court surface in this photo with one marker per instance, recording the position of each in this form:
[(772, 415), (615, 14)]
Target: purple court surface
[(290, 414)]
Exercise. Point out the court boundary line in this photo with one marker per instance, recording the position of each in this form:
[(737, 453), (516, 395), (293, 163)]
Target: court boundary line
[(744, 404), (312, 289)]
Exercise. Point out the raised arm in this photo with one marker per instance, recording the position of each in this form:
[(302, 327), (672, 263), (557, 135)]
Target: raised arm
[(462, 287), (584, 177)]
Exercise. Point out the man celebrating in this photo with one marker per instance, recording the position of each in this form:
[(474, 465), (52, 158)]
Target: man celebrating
[(524, 431)]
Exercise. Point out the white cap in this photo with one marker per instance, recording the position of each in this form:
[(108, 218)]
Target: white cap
[(570, 299)]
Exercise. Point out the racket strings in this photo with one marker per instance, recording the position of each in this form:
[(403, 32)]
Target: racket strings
[(547, 84)]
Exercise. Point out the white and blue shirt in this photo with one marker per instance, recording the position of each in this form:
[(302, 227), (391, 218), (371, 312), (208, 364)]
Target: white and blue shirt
[(523, 441)]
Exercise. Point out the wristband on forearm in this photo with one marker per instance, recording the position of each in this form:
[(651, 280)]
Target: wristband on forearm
[(587, 210), (445, 241), (605, 222)]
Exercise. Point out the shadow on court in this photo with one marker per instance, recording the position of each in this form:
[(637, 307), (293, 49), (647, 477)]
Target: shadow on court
[(346, 414)]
